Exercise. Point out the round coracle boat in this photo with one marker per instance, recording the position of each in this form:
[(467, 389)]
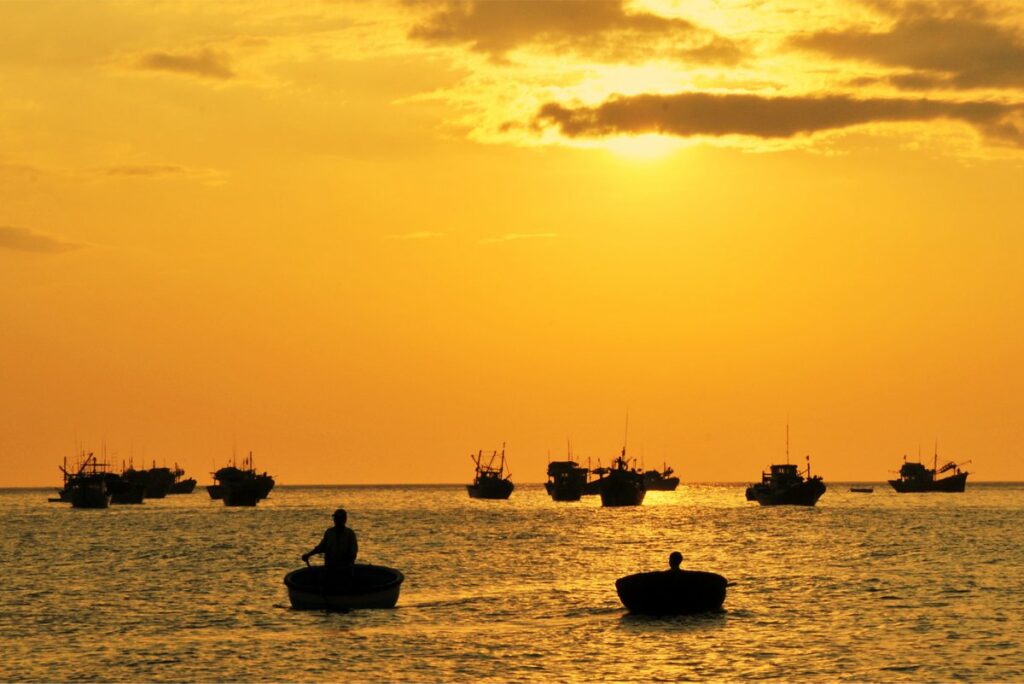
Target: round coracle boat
[(672, 592), (370, 586)]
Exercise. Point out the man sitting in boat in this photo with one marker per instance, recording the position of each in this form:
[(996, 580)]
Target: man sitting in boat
[(339, 548), (675, 559)]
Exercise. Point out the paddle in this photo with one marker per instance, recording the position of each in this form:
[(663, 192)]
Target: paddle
[(320, 584)]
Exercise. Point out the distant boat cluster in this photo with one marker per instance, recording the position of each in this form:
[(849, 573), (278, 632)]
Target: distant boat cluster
[(93, 484), (623, 484)]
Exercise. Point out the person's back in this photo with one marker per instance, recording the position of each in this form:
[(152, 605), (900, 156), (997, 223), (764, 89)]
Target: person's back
[(339, 547)]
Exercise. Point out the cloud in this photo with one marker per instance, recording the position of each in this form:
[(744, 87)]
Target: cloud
[(944, 45), (508, 237), (694, 114), (598, 27), (25, 240), (419, 235), (204, 63)]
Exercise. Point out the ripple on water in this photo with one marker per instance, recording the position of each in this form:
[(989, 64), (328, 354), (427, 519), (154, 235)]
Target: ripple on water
[(185, 589)]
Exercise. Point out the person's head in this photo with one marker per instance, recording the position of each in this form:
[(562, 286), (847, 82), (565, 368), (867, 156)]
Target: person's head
[(340, 517), (674, 560)]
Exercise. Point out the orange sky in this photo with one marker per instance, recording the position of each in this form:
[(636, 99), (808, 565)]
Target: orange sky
[(366, 239)]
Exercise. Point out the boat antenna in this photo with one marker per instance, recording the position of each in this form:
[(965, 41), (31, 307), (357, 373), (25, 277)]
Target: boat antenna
[(935, 462), (625, 436), (787, 440)]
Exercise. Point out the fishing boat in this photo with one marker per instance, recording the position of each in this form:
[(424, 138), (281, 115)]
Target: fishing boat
[(593, 484), (916, 477), (784, 485), (566, 480), (87, 487), (490, 481), (180, 485), (371, 586), (862, 490), (672, 592), (240, 486), (124, 490), (623, 485), (156, 481), (661, 480)]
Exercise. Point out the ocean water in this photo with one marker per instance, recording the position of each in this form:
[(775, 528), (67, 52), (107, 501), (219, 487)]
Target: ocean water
[(879, 587)]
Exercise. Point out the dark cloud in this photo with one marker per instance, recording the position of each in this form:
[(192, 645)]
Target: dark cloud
[(692, 114), (205, 63), (957, 45), (25, 240), (599, 27)]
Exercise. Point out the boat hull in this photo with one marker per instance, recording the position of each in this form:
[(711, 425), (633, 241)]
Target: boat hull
[(672, 592), (954, 483), (500, 490), (665, 484), (130, 494), (89, 497), (241, 496), (183, 487), (802, 494), (216, 492), (564, 491), (371, 586), (622, 492)]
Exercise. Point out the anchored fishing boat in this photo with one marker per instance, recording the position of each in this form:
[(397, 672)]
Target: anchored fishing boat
[(661, 480), (180, 484), (784, 485), (566, 480), (490, 481), (240, 486), (87, 487), (915, 477), (371, 586), (623, 485)]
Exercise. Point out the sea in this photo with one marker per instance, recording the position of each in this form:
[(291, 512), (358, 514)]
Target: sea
[(867, 587)]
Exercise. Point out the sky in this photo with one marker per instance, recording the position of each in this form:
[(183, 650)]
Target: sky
[(364, 239)]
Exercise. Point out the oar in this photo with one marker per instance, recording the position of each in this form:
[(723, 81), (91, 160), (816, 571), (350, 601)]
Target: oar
[(320, 584)]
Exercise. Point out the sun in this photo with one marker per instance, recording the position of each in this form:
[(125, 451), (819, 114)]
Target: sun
[(646, 147)]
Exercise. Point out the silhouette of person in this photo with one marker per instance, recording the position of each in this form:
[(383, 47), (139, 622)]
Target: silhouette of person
[(339, 548), (674, 560)]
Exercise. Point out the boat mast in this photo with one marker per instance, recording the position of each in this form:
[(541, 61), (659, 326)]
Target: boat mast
[(787, 441), (625, 439)]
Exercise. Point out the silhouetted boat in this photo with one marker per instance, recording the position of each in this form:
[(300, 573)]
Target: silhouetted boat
[(672, 592), (123, 490), (915, 477), (240, 486), (155, 481), (782, 485), (181, 485), (862, 490), (593, 484), (623, 485), (489, 481), (89, 472), (371, 586), (566, 480), (661, 480), (87, 488)]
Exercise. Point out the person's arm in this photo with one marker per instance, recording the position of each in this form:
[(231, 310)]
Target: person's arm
[(319, 548), (353, 547)]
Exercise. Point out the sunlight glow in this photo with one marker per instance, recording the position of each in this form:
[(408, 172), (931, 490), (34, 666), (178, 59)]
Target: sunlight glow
[(643, 147)]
